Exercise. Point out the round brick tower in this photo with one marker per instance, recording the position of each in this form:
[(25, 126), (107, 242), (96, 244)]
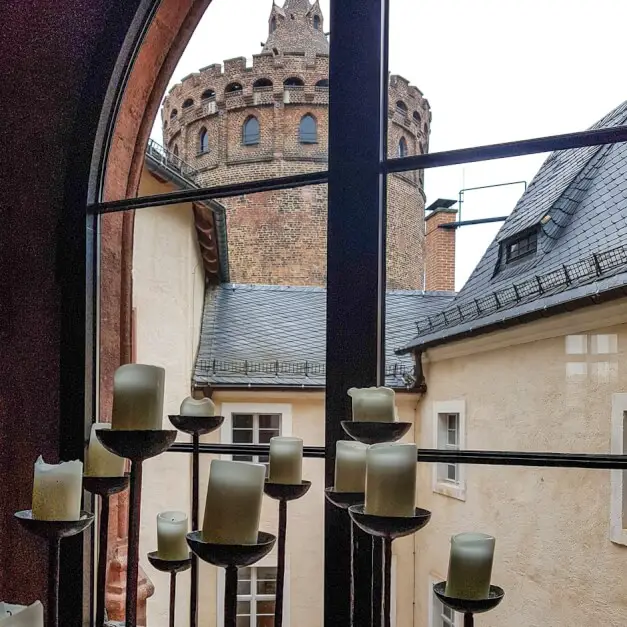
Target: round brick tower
[(235, 123)]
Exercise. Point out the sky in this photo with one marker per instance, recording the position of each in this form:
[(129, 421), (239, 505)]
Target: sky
[(492, 70)]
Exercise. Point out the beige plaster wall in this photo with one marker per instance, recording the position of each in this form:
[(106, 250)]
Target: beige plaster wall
[(553, 553), (168, 290)]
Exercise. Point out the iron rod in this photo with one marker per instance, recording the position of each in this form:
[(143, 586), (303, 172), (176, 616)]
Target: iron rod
[(469, 620), (101, 576), (361, 580), (230, 597), (193, 596), (280, 577), (54, 550), (132, 560), (387, 582), (172, 598), (377, 581)]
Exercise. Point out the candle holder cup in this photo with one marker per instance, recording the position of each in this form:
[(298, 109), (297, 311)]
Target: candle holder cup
[(136, 445), (375, 432), (469, 607), (104, 487), (389, 528), (53, 531), (344, 500), (174, 567), (195, 426), (231, 557), (283, 492)]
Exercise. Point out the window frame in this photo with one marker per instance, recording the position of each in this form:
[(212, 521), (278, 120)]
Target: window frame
[(308, 138), (203, 141), (255, 138), (433, 604), (445, 487), (402, 150), (530, 240)]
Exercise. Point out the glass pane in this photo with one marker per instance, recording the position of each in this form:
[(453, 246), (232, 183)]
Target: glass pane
[(242, 436), (243, 458), (243, 621), (266, 581), (451, 472), (511, 90), (265, 607), (269, 421), (265, 435), (243, 421), (265, 621), (244, 574), (243, 607), (243, 587)]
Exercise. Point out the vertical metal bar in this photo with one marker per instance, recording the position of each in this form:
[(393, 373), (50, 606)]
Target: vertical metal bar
[(354, 264), (172, 598), (193, 596), (280, 578), (387, 582), (101, 580), (377, 581), (132, 560), (230, 597), (469, 620), (52, 611)]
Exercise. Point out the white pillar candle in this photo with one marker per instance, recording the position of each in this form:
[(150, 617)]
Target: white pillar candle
[(373, 404), (22, 615), (99, 462), (233, 506), (57, 490), (286, 460), (202, 407), (350, 466), (391, 479), (171, 532), (470, 566), (138, 398)]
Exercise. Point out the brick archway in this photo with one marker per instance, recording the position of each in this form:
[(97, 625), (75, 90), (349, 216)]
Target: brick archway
[(163, 44)]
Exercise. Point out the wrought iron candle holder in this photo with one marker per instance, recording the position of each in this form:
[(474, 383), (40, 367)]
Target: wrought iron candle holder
[(104, 487), (137, 445), (53, 531), (469, 607), (195, 426), (283, 493), (375, 432), (231, 557), (389, 528), (174, 567)]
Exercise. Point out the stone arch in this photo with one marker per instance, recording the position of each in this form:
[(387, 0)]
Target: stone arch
[(323, 83), (401, 107), (203, 140), (173, 113), (187, 103), (402, 150), (417, 117), (316, 22), (233, 87), (308, 129), (260, 83), (208, 94), (294, 81), (251, 131)]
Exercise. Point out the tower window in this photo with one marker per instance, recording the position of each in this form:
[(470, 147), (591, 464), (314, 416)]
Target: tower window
[(521, 246), (293, 81), (316, 22), (261, 83), (324, 83), (173, 114), (208, 93), (176, 150), (417, 118), (233, 88), (203, 141), (308, 130), (273, 24), (402, 148), (251, 132), (401, 107), (188, 103)]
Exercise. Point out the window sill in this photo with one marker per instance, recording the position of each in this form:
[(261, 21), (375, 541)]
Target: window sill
[(202, 153), (451, 490), (618, 536)]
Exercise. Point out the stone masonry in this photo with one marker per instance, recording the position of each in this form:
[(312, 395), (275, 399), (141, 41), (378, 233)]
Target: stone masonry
[(280, 237)]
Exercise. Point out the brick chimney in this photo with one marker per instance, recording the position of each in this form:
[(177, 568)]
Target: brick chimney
[(440, 246)]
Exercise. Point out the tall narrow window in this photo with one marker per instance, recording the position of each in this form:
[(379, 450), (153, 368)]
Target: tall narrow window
[(176, 150), (251, 133), (402, 147), (254, 429), (316, 22), (448, 439), (441, 616), (256, 596), (449, 434), (203, 141), (273, 24), (173, 114), (308, 130)]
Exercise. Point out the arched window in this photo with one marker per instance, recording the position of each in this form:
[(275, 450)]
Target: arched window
[(261, 83), (316, 22), (233, 88), (426, 129), (203, 141), (251, 132), (273, 24), (417, 118), (402, 147), (308, 130), (208, 93), (401, 107), (323, 83), (173, 114), (188, 103), (176, 150), (293, 81)]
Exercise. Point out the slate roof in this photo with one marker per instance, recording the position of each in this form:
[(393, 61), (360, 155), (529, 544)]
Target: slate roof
[(578, 204), (262, 335)]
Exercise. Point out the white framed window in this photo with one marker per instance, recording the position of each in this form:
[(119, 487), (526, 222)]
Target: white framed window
[(439, 614), (618, 478), (449, 434)]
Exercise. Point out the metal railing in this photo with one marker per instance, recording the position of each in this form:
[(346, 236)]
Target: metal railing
[(169, 160)]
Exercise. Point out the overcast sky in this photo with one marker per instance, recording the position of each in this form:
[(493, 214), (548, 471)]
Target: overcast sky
[(492, 70)]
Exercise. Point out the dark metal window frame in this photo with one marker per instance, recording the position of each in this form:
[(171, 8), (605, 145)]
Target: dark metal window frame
[(356, 177), (521, 245)]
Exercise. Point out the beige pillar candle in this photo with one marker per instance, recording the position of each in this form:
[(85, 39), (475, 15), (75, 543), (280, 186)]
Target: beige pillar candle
[(286, 460), (171, 532), (391, 479), (22, 615), (373, 404), (57, 490), (138, 398), (350, 466), (99, 462), (233, 506), (201, 407), (470, 566)]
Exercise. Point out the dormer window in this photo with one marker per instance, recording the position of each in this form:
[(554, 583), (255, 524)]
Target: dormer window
[(521, 246)]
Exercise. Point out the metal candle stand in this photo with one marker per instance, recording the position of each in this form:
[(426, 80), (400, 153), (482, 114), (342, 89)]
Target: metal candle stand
[(469, 607), (389, 528), (173, 567), (104, 487), (231, 557), (136, 445), (53, 531), (195, 426), (283, 493)]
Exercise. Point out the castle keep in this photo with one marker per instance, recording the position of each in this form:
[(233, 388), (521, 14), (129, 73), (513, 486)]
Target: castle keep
[(239, 122)]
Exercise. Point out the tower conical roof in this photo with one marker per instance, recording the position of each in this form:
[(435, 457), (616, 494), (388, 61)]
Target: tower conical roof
[(297, 27)]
